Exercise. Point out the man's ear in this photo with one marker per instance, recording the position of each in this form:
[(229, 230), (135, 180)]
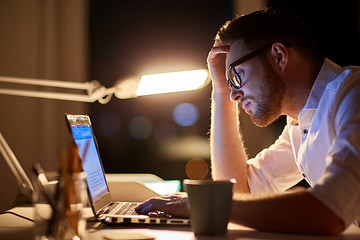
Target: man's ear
[(280, 55)]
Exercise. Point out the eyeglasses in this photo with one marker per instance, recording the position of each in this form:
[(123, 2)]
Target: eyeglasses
[(234, 78)]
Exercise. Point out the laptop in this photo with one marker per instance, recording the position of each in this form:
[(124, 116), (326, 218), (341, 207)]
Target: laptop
[(103, 207)]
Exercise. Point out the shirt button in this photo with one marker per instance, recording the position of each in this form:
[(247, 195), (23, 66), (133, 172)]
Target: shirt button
[(305, 131)]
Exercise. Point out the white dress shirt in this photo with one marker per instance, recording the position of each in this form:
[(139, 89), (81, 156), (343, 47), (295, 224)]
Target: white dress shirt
[(323, 146)]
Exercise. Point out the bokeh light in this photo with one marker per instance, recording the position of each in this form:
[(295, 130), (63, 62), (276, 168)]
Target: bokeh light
[(197, 168), (186, 114), (140, 127)]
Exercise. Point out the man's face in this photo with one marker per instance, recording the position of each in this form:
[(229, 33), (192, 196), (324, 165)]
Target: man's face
[(262, 92)]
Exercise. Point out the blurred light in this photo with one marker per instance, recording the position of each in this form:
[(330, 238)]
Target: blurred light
[(186, 114), (187, 147), (172, 82), (140, 127), (197, 168), (164, 187)]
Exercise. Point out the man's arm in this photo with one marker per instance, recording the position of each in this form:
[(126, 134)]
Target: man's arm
[(227, 152), (293, 212), (228, 156)]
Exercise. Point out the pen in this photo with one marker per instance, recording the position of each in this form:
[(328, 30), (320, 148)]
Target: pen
[(42, 181)]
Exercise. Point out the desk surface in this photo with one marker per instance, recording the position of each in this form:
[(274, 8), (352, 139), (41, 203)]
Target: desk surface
[(13, 227)]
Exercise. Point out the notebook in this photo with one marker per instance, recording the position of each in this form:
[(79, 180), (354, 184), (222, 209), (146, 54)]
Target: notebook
[(103, 207)]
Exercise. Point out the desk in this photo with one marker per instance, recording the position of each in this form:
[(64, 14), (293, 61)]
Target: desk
[(15, 228)]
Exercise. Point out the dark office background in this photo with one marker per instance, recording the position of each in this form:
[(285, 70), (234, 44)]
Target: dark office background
[(334, 26), (142, 37), (108, 40)]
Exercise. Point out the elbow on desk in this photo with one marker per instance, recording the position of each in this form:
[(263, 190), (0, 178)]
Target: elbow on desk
[(331, 227), (298, 213), (325, 221)]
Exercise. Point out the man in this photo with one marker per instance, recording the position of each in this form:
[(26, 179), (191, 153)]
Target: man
[(269, 62)]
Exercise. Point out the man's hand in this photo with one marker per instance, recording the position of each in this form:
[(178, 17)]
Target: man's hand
[(217, 68), (174, 205)]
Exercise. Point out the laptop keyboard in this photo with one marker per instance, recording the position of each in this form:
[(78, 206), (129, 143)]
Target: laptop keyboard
[(127, 209)]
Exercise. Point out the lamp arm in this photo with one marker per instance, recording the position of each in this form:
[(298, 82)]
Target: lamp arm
[(48, 83), (24, 183), (94, 90)]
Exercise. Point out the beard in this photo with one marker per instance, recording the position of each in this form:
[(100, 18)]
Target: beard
[(269, 103)]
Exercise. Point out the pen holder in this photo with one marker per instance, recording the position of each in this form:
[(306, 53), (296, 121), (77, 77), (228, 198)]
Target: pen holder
[(58, 206)]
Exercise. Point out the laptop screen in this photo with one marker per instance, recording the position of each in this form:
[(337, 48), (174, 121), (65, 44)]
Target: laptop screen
[(91, 161)]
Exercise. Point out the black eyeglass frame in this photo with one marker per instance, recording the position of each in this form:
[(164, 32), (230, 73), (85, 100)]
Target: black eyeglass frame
[(237, 83)]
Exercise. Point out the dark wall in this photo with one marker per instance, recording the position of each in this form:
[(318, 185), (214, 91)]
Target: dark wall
[(334, 26), (143, 37)]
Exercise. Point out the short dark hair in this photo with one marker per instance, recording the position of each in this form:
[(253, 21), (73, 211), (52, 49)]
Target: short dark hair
[(266, 26)]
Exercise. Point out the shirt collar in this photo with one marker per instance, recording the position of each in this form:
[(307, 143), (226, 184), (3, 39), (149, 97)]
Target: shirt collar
[(328, 72)]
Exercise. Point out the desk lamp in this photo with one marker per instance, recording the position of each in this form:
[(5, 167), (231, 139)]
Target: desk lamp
[(91, 92)]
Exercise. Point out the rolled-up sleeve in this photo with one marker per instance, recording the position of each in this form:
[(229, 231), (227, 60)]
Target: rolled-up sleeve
[(274, 169)]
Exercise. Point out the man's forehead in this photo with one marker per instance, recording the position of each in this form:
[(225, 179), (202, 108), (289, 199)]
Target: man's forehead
[(238, 49)]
